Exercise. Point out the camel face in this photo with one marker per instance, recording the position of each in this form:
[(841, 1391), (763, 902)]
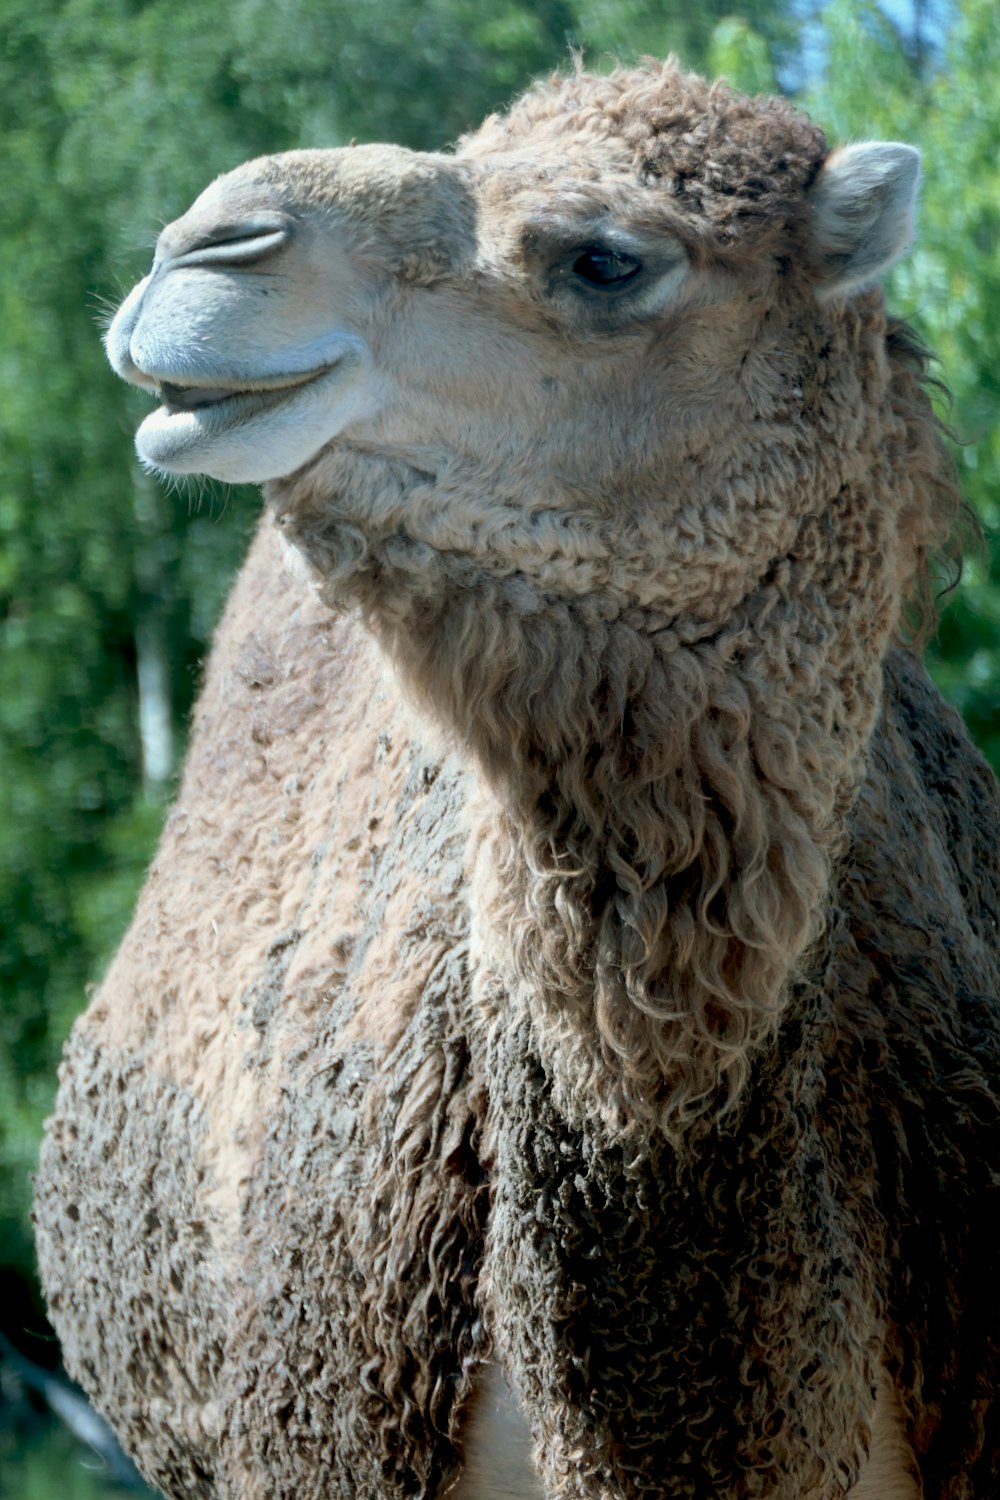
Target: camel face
[(403, 302), (549, 353)]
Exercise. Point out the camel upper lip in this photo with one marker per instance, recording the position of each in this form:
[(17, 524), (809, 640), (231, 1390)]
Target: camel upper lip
[(176, 397)]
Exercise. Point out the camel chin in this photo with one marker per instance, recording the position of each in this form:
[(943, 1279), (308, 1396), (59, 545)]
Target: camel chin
[(252, 435)]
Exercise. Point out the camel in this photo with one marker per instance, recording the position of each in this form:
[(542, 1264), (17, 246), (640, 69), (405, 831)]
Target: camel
[(555, 1052)]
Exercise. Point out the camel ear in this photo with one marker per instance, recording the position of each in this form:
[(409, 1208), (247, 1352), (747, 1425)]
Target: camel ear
[(863, 203)]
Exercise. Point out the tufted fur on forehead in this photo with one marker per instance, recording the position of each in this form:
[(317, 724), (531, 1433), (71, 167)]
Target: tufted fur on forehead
[(736, 165)]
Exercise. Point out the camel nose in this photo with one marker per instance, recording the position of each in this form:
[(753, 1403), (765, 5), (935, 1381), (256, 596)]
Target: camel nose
[(191, 241)]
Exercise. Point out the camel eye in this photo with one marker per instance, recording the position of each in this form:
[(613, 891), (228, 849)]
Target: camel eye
[(605, 269)]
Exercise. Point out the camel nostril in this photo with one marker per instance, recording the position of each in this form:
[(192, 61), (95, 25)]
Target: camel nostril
[(240, 243)]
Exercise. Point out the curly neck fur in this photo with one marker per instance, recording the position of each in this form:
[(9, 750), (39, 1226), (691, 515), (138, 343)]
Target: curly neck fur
[(663, 798)]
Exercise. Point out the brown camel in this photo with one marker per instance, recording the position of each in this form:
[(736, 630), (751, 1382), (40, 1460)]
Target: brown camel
[(556, 1050)]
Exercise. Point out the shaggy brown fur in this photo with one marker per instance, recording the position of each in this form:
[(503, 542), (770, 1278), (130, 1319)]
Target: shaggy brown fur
[(645, 1035)]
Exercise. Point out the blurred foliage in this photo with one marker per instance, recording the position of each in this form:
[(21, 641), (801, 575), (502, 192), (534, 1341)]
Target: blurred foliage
[(78, 1460), (53, 1466), (114, 115)]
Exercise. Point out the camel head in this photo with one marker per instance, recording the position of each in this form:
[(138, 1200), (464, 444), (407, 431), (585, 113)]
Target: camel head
[(601, 310), (600, 422)]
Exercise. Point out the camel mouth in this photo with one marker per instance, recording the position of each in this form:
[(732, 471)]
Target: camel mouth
[(192, 397), (258, 427), (176, 399)]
